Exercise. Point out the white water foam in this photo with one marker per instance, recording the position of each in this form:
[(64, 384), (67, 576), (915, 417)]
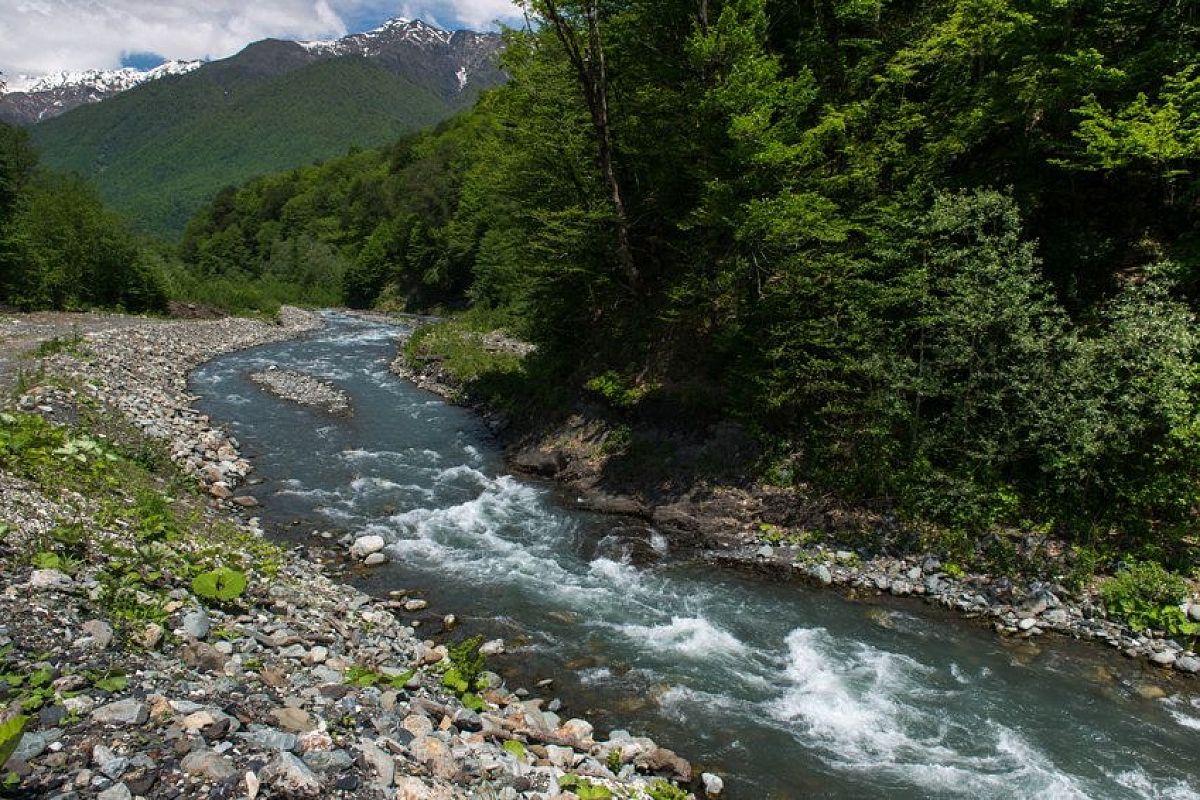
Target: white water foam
[(1138, 782), (694, 637), (1186, 713), (871, 710)]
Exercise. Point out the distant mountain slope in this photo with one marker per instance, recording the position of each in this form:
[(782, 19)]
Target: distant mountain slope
[(27, 101), (159, 151)]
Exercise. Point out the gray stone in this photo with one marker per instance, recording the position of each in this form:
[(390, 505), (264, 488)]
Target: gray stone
[(118, 792), (100, 632), (34, 743), (766, 551), (1194, 612), (493, 648), (713, 785), (196, 624), (208, 764), (375, 560), (382, 763), (1027, 624), (270, 738), (294, 719), (326, 761), (122, 712), (290, 777), (367, 545), (1164, 659), (109, 762), (821, 573), (49, 580), (1189, 664)]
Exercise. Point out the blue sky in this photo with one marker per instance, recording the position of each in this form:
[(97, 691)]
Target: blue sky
[(43, 36)]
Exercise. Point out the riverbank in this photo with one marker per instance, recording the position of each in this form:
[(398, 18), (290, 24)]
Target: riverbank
[(162, 648), (788, 534)]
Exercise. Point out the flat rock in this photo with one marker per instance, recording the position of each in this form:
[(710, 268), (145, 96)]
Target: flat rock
[(290, 777), (122, 712), (208, 764)]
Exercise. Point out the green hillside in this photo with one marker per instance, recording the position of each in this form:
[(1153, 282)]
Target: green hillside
[(159, 152)]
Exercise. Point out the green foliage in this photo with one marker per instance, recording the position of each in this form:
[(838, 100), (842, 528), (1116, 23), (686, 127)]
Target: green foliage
[(583, 788), (1146, 595), (662, 790), (160, 152), (59, 246), (221, 585), (10, 736), (516, 748), (366, 678)]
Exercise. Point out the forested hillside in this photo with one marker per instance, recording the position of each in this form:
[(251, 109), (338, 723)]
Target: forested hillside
[(941, 255), (158, 152), (59, 246)]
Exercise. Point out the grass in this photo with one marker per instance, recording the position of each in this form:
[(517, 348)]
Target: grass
[(521, 387), (246, 296)]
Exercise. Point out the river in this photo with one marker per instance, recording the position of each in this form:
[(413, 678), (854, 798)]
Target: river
[(787, 692)]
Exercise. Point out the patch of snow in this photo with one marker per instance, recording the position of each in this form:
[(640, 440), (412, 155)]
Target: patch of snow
[(100, 81)]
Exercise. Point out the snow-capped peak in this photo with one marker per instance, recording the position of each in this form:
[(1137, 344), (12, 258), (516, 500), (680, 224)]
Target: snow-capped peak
[(99, 81), (368, 43)]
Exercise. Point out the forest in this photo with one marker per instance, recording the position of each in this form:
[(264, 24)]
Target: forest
[(942, 257)]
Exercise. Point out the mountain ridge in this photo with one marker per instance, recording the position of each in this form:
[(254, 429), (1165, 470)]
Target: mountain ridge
[(158, 151)]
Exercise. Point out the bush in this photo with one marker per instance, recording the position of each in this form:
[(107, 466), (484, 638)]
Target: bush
[(1146, 595)]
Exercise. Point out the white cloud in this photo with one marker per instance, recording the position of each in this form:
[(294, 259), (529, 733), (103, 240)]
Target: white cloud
[(40, 36)]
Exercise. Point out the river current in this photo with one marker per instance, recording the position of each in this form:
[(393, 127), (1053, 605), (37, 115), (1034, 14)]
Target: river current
[(787, 692)]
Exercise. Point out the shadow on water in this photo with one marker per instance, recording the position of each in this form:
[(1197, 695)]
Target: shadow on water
[(788, 692)]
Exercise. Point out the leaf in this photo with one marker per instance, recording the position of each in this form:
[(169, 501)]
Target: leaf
[(223, 585), (516, 748), (10, 736), (473, 701), (112, 683)]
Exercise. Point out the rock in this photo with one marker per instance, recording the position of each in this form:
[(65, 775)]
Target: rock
[(383, 764), (766, 551), (713, 785), (541, 462), (1029, 623), (108, 762), (367, 545), (197, 624), (1194, 612), (269, 738), (436, 755), (417, 725), (1188, 664), (1151, 692), (493, 648), (290, 777), (416, 605), (151, 636), (205, 657), (208, 764), (1164, 659), (327, 761), (34, 743), (49, 580), (118, 792), (294, 719), (577, 730), (100, 632), (122, 712), (821, 573), (375, 560), (663, 760), (317, 655), (253, 784)]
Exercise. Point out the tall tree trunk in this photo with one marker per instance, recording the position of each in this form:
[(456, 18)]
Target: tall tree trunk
[(592, 71)]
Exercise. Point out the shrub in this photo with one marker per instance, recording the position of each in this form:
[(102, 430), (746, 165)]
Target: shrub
[(222, 585)]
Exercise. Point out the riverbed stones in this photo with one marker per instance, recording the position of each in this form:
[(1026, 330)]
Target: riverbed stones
[(190, 715), (304, 389), (99, 634)]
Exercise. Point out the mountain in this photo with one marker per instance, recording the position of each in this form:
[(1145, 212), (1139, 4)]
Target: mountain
[(27, 100), (158, 151)]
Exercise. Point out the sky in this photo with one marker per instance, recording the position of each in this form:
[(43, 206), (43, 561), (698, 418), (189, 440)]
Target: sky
[(43, 36)]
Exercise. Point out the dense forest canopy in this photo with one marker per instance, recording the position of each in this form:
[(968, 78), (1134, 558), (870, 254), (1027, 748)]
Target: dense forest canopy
[(59, 246)]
